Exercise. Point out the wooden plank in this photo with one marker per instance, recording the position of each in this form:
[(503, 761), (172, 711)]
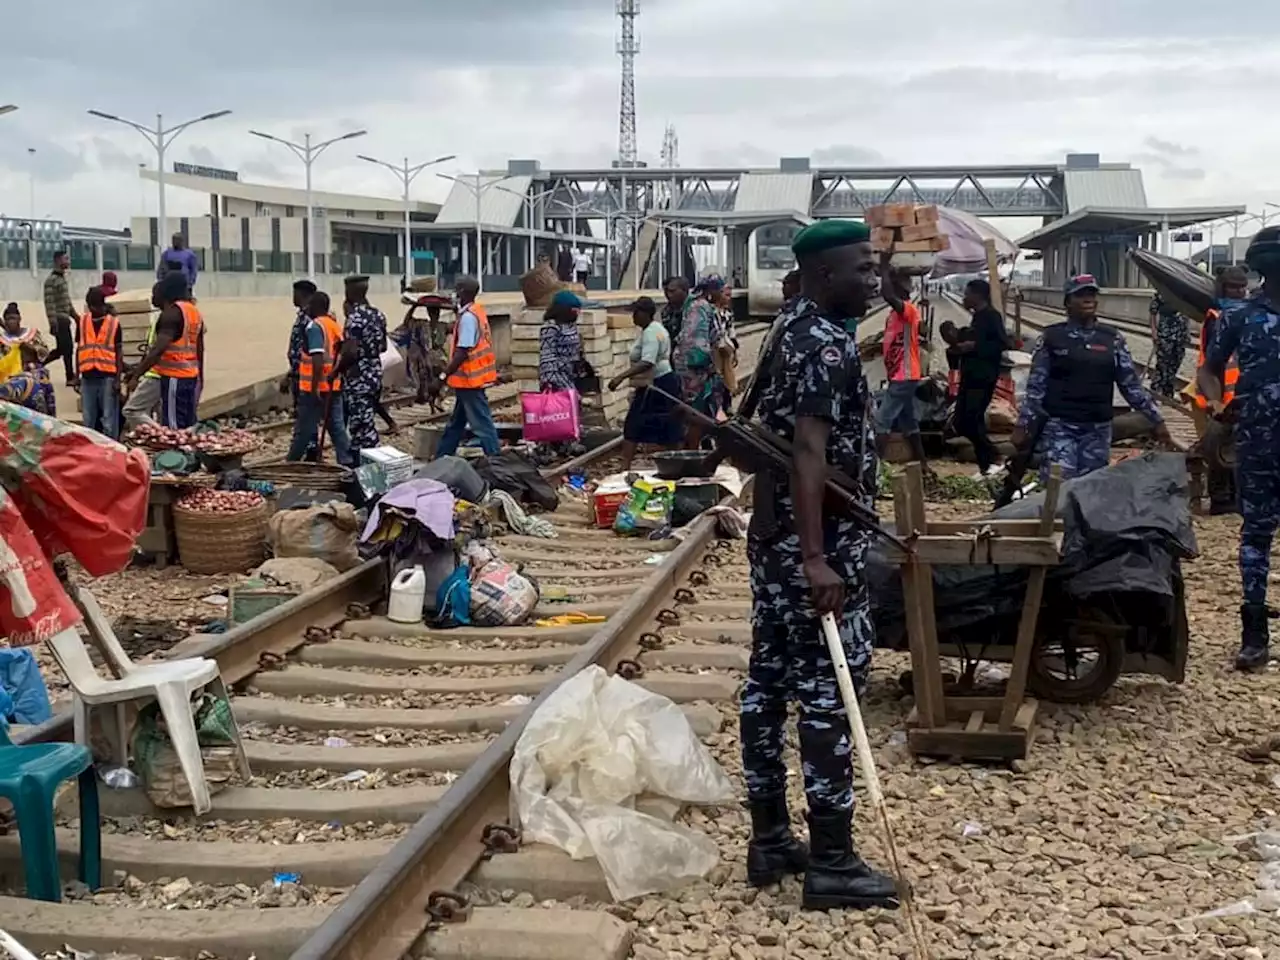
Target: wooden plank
[(991, 551), (976, 719), (1005, 528), (1026, 640), (993, 274), (986, 744), (917, 588)]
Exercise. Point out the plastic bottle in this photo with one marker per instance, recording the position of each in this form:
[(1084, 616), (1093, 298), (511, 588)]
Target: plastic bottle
[(408, 590)]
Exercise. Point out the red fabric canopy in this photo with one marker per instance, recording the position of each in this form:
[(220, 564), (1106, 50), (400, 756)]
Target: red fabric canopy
[(65, 489)]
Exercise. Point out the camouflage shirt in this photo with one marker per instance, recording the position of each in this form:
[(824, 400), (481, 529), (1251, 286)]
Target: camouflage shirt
[(1250, 329), (816, 372)]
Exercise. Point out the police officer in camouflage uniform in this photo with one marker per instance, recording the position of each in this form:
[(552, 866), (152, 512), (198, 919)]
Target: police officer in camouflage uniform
[(1074, 371), (1251, 331), (1170, 336), (806, 561)]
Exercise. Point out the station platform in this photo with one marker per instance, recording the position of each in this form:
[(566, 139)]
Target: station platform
[(246, 339)]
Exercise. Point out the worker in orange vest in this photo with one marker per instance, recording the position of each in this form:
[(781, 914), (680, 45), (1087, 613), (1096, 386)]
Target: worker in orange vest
[(902, 363), (472, 369), (319, 384), (1233, 287), (177, 353), (99, 359)]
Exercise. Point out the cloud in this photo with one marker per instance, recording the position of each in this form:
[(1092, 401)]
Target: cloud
[(1169, 148), (490, 80)]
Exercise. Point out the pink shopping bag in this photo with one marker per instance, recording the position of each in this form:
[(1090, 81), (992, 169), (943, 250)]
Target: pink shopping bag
[(550, 416)]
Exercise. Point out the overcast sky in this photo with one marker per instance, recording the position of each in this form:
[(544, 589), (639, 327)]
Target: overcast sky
[(1167, 84)]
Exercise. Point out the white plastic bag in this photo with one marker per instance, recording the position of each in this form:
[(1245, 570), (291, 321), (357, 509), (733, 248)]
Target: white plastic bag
[(594, 746)]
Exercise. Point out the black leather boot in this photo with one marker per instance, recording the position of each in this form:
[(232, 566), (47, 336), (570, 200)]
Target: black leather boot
[(1255, 639), (774, 851), (837, 876)]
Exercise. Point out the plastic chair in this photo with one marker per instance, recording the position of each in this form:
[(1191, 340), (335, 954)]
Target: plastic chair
[(170, 682), (29, 778)]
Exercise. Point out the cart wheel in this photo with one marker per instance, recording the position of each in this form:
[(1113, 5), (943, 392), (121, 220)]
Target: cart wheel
[(1083, 665)]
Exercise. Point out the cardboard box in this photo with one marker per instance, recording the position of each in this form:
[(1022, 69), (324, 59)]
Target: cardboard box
[(919, 231), (927, 214)]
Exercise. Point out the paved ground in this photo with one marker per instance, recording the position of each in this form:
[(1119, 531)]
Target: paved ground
[(246, 340)]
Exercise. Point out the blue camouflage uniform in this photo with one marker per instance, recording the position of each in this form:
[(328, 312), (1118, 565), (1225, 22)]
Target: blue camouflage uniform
[(1173, 334), (1074, 369), (362, 382), (816, 372), (1250, 329)]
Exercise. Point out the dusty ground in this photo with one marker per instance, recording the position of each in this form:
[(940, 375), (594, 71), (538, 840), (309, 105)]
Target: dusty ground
[(1126, 822), (1129, 820)]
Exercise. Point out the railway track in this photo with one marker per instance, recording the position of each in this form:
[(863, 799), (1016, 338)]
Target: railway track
[(380, 757)]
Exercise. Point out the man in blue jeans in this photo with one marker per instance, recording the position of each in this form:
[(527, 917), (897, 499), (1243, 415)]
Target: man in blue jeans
[(472, 368), (319, 386)]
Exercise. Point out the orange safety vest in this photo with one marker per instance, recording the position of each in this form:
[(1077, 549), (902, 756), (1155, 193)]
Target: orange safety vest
[(306, 367), (1230, 377), (97, 353), (180, 360), (480, 369)]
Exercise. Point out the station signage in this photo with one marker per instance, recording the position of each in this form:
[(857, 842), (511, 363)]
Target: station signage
[(215, 173)]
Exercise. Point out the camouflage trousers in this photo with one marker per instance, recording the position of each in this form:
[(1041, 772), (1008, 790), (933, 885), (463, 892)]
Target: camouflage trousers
[(360, 409), (1258, 485), (1170, 349), (790, 662), (1079, 448)]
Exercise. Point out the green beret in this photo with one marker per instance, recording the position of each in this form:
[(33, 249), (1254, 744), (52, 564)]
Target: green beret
[(829, 234)]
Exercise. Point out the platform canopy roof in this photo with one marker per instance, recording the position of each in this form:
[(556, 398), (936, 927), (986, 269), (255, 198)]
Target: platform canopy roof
[(729, 219), (1093, 221)]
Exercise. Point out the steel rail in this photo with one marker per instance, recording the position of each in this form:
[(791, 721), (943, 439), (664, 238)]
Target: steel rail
[(387, 912)]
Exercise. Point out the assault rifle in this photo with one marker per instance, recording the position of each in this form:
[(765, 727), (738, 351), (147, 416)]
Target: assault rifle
[(761, 451)]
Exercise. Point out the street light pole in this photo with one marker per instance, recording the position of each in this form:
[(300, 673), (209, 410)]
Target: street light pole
[(407, 174), (478, 190), (308, 154), (31, 174), (160, 139), (529, 200)]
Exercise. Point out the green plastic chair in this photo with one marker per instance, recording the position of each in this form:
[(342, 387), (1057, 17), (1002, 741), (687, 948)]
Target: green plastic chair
[(29, 778)]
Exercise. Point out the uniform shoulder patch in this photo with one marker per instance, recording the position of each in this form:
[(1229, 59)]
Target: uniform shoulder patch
[(831, 355)]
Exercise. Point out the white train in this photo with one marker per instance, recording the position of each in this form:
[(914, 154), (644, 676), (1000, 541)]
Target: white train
[(769, 259)]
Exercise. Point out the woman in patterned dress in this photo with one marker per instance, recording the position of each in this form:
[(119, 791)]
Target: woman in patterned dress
[(31, 387)]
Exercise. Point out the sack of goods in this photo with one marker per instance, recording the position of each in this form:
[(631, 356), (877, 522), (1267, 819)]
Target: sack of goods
[(157, 761), (911, 232), (327, 532), (501, 596), (647, 507)]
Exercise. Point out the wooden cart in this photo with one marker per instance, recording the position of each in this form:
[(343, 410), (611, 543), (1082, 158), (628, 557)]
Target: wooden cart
[(950, 725)]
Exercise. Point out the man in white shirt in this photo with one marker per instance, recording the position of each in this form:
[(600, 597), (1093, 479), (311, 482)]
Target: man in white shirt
[(581, 265)]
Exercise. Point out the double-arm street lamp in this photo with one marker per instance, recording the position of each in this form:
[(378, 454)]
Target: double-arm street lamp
[(476, 185), (407, 175), (160, 137), (308, 153)]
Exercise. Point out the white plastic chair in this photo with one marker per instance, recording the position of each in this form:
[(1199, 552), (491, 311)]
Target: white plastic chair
[(171, 682)]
